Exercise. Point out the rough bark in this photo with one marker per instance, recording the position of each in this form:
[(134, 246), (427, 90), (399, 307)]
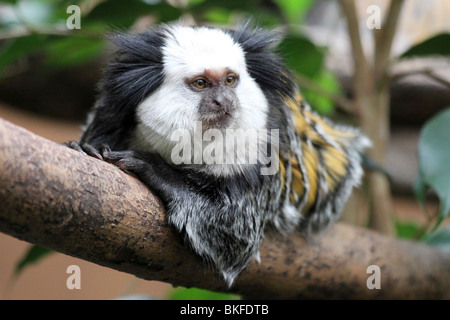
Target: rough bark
[(80, 206)]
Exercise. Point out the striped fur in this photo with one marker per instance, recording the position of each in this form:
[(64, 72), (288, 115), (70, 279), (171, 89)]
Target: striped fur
[(318, 169)]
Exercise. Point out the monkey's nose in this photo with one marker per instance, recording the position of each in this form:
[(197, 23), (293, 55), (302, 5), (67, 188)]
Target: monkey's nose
[(217, 104), (226, 105)]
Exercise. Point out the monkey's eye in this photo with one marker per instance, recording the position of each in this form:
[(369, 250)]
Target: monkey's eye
[(200, 83), (230, 80)]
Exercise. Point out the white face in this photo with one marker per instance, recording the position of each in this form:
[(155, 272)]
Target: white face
[(189, 53)]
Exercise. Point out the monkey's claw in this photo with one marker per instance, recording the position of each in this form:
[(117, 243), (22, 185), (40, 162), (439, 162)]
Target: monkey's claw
[(125, 160), (85, 148)]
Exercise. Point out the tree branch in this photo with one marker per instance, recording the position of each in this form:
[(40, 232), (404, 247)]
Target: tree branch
[(429, 72), (371, 100), (384, 39), (340, 101), (74, 204), (362, 64)]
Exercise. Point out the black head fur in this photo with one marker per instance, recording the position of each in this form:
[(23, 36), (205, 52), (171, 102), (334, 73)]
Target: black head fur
[(263, 64), (134, 73)]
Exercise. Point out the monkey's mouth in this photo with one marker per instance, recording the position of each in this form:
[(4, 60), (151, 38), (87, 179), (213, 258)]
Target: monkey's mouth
[(217, 119)]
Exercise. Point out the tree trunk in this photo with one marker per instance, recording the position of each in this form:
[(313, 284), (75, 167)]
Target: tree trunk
[(371, 103), (375, 123)]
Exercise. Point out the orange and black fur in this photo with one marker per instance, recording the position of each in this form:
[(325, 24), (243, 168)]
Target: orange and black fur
[(319, 166)]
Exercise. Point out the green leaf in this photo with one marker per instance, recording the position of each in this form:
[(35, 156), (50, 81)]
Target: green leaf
[(195, 2), (406, 230), (232, 5), (434, 160), (199, 294), (71, 51), (328, 81), (34, 254), (294, 10), (119, 13), (440, 240), (217, 15), (165, 12), (436, 45), (420, 189), (15, 49), (302, 56)]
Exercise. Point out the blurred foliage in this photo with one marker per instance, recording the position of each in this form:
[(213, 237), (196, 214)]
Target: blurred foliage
[(406, 229), (181, 293), (31, 27), (440, 240), (434, 160), (436, 45), (34, 254)]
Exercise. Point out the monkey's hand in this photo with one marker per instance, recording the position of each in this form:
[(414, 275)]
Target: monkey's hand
[(87, 149), (150, 168)]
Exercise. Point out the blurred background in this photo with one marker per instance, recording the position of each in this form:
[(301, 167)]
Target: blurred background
[(49, 71)]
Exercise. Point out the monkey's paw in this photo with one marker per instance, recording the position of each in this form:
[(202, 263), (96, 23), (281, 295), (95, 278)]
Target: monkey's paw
[(87, 149), (128, 161)]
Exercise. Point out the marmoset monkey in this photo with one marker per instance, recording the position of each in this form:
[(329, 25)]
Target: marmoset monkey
[(213, 123)]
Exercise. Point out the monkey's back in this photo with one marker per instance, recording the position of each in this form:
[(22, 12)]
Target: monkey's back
[(319, 164)]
